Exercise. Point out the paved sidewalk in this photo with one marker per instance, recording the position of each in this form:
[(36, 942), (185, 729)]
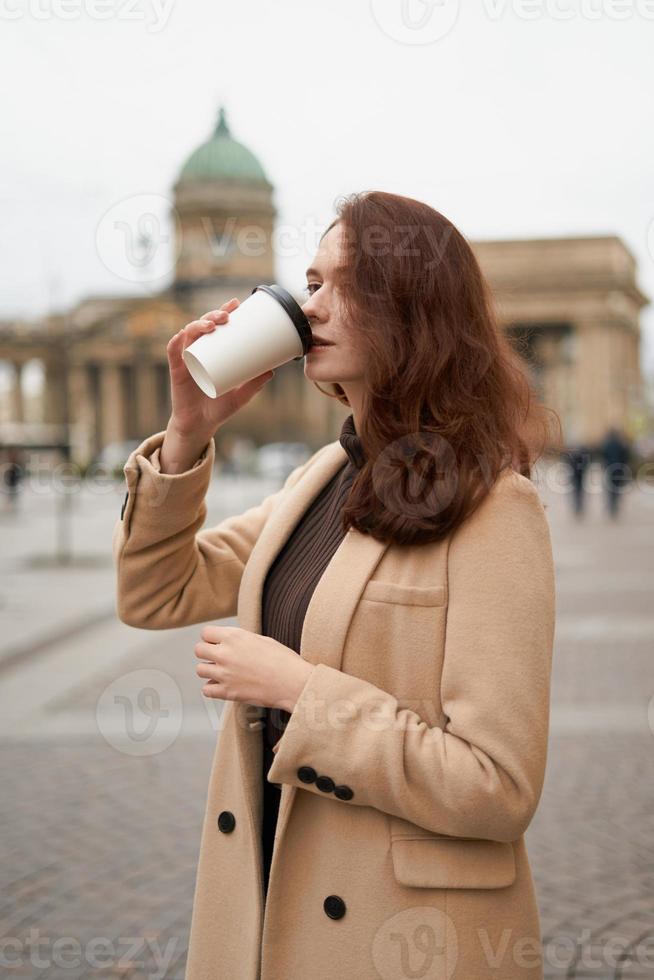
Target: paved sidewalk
[(101, 835), (41, 600)]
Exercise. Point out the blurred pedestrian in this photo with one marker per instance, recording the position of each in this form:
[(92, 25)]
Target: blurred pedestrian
[(578, 456), (615, 451), (13, 473)]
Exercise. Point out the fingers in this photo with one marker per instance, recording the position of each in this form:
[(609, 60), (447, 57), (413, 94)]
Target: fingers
[(211, 633), (184, 337), (229, 307), (208, 322), (206, 651), (243, 393), (258, 380), (207, 671)]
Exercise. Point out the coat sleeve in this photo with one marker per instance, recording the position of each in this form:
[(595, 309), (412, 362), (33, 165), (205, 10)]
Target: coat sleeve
[(481, 774), (169, 572)]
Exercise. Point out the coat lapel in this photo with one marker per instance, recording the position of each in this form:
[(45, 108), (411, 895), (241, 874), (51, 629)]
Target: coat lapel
[(328, 614), (336, 595)]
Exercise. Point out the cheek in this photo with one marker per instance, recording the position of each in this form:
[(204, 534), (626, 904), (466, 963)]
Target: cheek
[(351, 358)]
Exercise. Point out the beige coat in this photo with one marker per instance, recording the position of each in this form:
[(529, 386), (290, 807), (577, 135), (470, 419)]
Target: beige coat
[(428, 711)]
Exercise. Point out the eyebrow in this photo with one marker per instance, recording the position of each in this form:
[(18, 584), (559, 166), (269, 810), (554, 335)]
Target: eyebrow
[(312, 272)]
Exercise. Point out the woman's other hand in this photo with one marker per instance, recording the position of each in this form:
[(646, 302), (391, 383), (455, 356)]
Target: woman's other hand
[(245, 666)]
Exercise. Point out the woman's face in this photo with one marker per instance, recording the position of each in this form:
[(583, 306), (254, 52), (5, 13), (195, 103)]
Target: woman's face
[(340, 361)]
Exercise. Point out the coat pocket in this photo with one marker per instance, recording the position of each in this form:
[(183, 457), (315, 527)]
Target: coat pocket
[(452, 862), (409, 595)]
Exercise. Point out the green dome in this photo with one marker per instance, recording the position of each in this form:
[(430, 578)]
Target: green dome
[(222, 158)]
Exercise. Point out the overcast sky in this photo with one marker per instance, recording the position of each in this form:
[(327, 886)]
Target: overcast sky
[(515, 119)]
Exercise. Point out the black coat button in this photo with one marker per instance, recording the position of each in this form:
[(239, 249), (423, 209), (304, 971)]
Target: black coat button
[(307, 774), (343, 793), (334, 906), (122, 509), (226, 821), (325, 784)]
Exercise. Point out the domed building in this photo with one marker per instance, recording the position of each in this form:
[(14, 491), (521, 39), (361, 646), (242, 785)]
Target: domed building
[(225, 214), (105, 364)]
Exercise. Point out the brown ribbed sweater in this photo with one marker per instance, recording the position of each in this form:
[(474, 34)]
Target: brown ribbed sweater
[(287, 591)]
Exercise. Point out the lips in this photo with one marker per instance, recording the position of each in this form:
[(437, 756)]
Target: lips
[(319, 342)]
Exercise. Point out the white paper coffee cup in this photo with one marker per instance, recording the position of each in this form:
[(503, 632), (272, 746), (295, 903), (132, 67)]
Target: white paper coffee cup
[(267, 329)]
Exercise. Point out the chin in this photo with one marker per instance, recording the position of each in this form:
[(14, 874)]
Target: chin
[(319, 371)]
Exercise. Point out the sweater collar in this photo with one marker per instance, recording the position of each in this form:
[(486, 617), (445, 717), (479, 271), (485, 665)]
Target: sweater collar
[(351, 442)]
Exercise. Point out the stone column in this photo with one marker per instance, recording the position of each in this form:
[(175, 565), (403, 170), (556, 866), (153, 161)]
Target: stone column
[(82, 413), (558, 362), (569, 357), (17, 405), (623, 379), (55, 394), (617, 401), (548, 352), (112, 409), (162, 376), (636, 386), (147, 412), (631, 382), (595, 378)]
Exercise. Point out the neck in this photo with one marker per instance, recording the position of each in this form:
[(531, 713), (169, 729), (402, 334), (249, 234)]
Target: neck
[(354, 392)]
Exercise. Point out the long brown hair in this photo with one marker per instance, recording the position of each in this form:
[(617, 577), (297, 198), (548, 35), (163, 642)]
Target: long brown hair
[(448, 403)]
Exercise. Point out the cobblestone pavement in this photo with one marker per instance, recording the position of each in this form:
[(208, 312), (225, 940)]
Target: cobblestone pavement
[(100, 839)]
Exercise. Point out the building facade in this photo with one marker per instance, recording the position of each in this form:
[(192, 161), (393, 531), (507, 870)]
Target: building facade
[(570, 304)]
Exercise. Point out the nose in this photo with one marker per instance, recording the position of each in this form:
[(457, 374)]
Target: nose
[(308, 311), (311, 309)]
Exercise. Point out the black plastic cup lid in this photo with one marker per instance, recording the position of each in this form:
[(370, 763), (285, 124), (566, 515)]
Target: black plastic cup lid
[(294, 310)]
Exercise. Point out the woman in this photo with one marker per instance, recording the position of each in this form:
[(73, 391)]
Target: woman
[(396, 763)]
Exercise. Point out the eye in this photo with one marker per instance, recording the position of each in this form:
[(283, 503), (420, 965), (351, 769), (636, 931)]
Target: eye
[(307, 289)]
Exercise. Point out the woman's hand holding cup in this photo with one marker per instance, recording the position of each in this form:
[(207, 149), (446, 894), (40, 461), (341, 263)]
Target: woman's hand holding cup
[(195, 417), (194, 413)]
